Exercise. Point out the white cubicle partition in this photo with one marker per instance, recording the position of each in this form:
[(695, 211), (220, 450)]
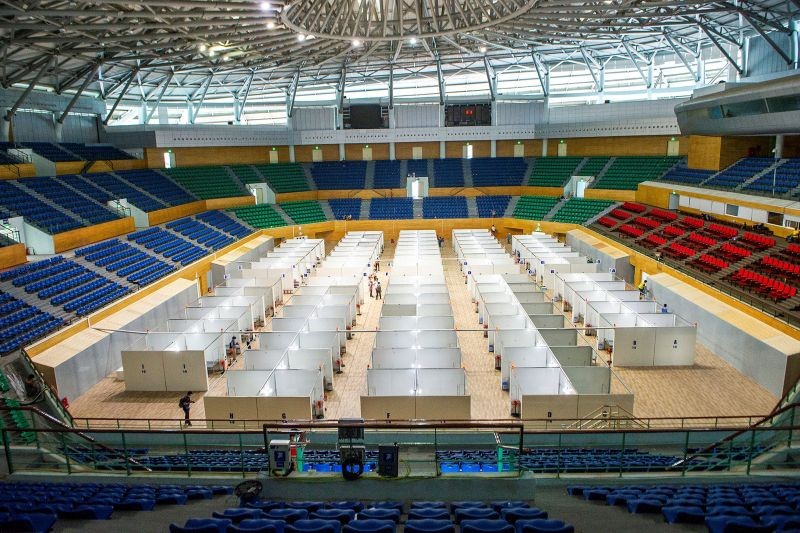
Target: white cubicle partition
[(414, 339), (416, 358)]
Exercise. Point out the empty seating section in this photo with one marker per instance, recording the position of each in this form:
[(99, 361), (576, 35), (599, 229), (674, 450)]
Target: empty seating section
[(619, 214), (68, 199), (733, 253), (709, 263), (389, 208), (741, 171), (628, 172), (270, 516), (679, 251), (759, 242), (157, 185), (37, 506), (699, 242), (259, 216), (21, 323), (781, 179), (553, 171), (721, 507), (630, 231), (200, 233), (36, 212), (340, 175), (304, 212), (492, 206), (593, 166), (96, 152), (763, 285), (223, 222), (344, 207), (607, 222), (534, 207), (688, 176), (283, 177), (387, 175), (633, 207), (207, 182), (51, 151), (444, 207), (778, 267), (580, 210), (126, 261), (664, 216), (646, 223), (122, 189), (498, 171), (448, 173), (83, 184), (168, 244), (726, 232), (418, 168)]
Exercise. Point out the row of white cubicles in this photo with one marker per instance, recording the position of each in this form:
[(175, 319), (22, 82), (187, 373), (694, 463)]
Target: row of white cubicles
[(415, 369), (548, 371)]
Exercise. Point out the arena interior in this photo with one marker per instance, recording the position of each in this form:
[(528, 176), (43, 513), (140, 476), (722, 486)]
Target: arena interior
[(422, 266)]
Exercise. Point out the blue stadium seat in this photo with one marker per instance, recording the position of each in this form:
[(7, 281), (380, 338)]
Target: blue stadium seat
[(429, 526), (370, 526)]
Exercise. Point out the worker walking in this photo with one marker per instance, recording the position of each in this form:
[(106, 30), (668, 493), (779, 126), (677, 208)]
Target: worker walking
[(643, 289), (378, 290), (185, 403)]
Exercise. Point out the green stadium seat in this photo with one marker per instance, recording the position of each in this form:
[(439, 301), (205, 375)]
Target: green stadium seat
[(534, 207), (553, 171), (259, 216), (284, 177), (579, 210), (626, 173), (304, 212), (207, 182)]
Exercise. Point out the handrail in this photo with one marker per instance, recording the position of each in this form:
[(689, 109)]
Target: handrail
[(49, 391), (63, 428), (757, 426)]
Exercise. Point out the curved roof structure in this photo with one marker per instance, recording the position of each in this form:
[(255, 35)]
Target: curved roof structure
[(179, 50)]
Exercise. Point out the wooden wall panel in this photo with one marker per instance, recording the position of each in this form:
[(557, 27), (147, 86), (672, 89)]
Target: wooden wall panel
[(353, 152), (430, 150), (617, 146), (611, 194), (225, 203), (330, 152), (83, 236), (12, 172), (704, 152), (533, 148), (116, 164), (215, 155), (169, 214), (791, 146), (69, 167), (735, 148), (12, 256), (479, 148)]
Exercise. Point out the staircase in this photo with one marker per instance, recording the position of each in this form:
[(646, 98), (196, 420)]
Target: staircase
[(764, 172), (472, 207), (602, 170), (45, 305), (55, 206), (79, 193), (609, 417), (531, 163), (369, 182), (286, 218), (601, 213), (431, 177), (364, 213), (105, 273), (577, 171), (512, 205), (467, 169), (309, 177), (417, 207), (235, 178), (174, 182), (326, 208), (554, 210), (403, 172), (130, 184)]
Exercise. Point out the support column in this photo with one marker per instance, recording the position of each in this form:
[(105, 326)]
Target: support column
[(341, 151), (779, 146), (291, 153), (391, 151), (493, 148), (59, 130), (5, 126), (442, 150), (544, 147)]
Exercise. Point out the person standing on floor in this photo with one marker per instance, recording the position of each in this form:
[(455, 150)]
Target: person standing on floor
[(378, 291), (186, 404), (371, 284), (377, 266)]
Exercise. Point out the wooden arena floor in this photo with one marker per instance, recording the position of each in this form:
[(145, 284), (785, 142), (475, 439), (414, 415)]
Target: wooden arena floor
[(710, 388)]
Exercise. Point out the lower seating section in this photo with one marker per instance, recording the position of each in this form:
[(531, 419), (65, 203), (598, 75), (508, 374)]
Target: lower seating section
[(593, 166), (764, 285), (492, 206), (340, 175), (387, 175), (169, 245), (304, 212), (721, 507), (223, 222), (444, 207), (156, 184), (580, 210), (553, 171), (785, 178), (269, 516), (498, 171), (448, 173), (628, 172), (688, 176), (21, 323), (29, 268), (207, 182), (35, 211), (283, 177), (122, 189), (534, 207), (389, 208), (200, 233), (66, 198), (419, 168), (739, 172), (96, 152), (83, 184), (51, 151), (344, 207), (633, 207), (38, 506), (259, 216)]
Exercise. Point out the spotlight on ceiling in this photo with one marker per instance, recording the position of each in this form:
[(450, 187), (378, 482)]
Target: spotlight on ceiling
[(483, 49), (356, 43), (301, 37), (270, 25), (265, 6), (412, 41)]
